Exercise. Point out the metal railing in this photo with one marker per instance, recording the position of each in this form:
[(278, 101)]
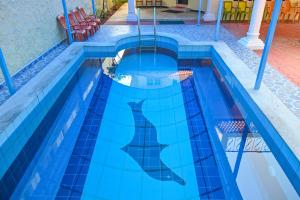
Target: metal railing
[(154, 29), (139, 26)]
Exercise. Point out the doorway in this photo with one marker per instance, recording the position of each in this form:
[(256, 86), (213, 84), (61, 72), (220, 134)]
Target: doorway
[(183, 2)]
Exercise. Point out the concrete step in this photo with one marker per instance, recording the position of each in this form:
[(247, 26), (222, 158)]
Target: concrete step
[(181, 5)]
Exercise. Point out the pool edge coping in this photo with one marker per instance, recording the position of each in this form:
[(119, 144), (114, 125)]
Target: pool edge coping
[(284, 124)]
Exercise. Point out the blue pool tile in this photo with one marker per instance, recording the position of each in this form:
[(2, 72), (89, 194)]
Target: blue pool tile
[(208, 178), (71, 186)]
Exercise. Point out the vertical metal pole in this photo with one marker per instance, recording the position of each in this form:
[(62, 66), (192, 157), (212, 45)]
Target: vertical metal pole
[(219, 20), (139, 28), (94, 8), (241, 151), (139, 16), (67, 21), (199, 12), (154, 16), (6, 74), (268, 44)]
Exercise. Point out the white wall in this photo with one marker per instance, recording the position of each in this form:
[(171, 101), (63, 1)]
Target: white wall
[(169, 3), (193, 4), (215, 6), (29, 27)]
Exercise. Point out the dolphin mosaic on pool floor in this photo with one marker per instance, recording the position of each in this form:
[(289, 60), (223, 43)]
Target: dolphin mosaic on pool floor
[(145, 143)]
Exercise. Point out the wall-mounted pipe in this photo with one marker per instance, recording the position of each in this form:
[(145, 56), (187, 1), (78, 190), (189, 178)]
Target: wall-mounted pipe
[(70, 38), (268, 44), (217, 34), (94, 8), (199, 12), (6, 74)]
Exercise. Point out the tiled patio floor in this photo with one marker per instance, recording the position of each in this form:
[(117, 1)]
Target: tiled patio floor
[(285, 51)]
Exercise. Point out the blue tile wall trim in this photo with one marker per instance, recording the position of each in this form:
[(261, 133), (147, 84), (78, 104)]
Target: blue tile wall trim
[(72, 184), (208, 178), (27, 72), (15, 172), (33, 62), (158, 50)]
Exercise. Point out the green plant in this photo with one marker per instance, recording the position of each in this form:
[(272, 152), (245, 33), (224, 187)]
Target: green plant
[(118, 2)]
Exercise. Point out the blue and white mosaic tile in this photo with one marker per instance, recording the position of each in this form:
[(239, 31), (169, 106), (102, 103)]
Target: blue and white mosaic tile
[(30, 70)]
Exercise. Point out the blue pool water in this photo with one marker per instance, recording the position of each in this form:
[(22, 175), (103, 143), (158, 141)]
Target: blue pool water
[(148, 126)]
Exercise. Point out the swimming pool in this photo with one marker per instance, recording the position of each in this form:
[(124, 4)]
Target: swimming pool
[(148, 125)]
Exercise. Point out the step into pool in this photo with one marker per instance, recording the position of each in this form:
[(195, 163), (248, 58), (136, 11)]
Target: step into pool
[(146, 125)]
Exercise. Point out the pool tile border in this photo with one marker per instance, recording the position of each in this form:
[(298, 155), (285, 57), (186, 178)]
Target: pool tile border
[(20, 105)]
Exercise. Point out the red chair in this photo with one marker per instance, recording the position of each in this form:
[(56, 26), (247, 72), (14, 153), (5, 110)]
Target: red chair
[(149, 3), (77, 33), (88, 17), (82, 26), (158, 3), (297, 14), (139, 3), (83, 21)]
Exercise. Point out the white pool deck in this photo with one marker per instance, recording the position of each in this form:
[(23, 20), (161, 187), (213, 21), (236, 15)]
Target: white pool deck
[(189, 38)]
